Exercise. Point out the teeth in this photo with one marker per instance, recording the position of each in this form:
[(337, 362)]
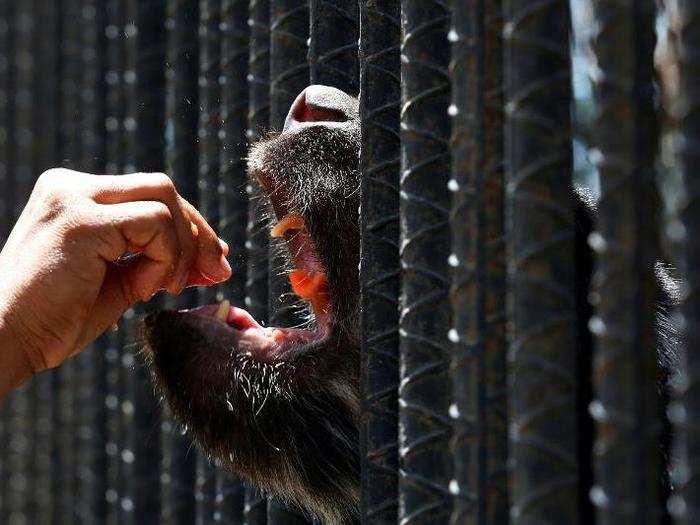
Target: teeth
[(291, 221), (222, 312)]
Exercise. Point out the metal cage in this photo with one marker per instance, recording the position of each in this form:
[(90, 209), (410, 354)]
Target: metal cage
[(509, 370)]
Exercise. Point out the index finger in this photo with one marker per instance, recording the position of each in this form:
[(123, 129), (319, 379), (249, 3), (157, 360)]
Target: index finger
[(117, 189), (212, 251)]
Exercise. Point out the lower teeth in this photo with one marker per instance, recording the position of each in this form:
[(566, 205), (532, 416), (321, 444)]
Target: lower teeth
[(223, 310)]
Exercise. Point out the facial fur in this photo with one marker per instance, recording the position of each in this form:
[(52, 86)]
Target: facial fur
[(280, 407)]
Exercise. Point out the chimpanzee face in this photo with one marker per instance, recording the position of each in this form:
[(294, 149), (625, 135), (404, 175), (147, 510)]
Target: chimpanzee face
[(280, 406)]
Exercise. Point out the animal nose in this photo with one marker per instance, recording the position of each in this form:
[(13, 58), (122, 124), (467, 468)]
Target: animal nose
[(321, 104)]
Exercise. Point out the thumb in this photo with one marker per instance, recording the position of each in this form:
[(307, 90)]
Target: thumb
[(115, 298)]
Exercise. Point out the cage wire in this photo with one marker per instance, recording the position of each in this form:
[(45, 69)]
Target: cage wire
[(509, 371)]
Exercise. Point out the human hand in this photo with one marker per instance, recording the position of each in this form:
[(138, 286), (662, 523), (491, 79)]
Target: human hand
[(61, 283)]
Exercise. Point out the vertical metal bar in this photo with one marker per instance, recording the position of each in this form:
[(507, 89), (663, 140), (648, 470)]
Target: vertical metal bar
[(6, 207), (148, 78), (90, 487), (424, 393), (480, 440), (541, 265), (258, 125), (333, 59), (380, 100), (256, 286), (65, 378), (182, 22), (626, 409), (208, 184), (233, 209), (128, 382), (19, 402), (682, 231), (46, 156), (114, 134), (289, 74)]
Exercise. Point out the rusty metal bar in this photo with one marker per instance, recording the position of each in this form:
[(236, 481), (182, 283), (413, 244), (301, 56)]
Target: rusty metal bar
[(479, 409), (19, 403), (684, 504), (90, 479), (289, 74), (114, 134), (541, 263), (333, 59), (129, 386), (424, 392), (182, 102), (256, 286), (208, 185), (6, 206), (380, 100), (233, 209), (148, 77), (627, 457), (66, 377), (46, 156)]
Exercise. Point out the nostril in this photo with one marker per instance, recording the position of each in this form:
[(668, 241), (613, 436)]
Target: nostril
[(320, 104), (308, 112)]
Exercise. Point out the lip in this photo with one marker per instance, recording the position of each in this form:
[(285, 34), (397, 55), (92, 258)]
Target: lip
[(274, 343), (265, 343)]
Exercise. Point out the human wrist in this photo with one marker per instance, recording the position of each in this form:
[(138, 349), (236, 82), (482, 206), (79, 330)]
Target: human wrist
[(15, 365)]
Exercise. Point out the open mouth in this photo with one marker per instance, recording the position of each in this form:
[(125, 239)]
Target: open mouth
[(308, 281)]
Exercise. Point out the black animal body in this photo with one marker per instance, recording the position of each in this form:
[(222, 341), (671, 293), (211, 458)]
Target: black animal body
[(280, 406)]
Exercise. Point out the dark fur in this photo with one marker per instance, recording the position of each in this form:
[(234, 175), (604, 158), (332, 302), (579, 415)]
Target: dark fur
[(293, 430), (290, 426)]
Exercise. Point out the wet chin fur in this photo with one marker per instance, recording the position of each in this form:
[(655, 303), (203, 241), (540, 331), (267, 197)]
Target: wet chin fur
[(288, 426)]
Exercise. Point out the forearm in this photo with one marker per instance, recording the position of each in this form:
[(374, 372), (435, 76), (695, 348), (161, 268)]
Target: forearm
[(15, 367)]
